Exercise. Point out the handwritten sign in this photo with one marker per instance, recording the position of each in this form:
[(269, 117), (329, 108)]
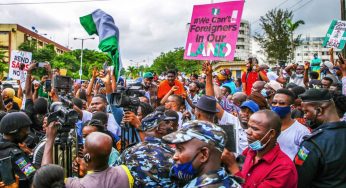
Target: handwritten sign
[(19, 63), (336, 35)]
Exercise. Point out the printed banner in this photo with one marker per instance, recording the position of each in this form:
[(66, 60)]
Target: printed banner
[(336, 35), (19, 63), (213, 31)]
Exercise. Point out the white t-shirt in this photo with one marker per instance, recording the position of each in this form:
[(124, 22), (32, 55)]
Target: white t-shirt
[(241, 139), (291, 138), (112, 125), (180, 122)]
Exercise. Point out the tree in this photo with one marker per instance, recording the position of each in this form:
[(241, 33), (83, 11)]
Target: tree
[(3, 62), (132, 71), (276, 39), (292, 26), (175, 60)]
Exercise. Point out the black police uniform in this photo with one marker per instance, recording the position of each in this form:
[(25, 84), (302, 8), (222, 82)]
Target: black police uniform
[(21, 163), (321, 159)]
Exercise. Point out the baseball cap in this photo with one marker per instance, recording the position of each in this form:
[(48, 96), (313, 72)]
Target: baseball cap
[(11, 122), (251, 105), (202, 130), (148, 75)]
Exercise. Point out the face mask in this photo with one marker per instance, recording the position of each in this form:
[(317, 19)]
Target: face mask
[(264, 93), (281, 111), (83, 141), (300, 75), (183, 172), (257, 145)]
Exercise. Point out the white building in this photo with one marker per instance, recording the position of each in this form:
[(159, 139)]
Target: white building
[(309, 47), (243, 46)]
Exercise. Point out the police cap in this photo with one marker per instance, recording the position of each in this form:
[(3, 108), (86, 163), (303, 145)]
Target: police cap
[(315, 95)]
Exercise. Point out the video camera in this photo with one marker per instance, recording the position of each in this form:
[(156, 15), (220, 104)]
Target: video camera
[(127, 97), (65, 116), (62, 111)]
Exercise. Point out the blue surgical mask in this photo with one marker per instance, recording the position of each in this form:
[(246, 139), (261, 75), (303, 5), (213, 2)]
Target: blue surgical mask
[(83, 141), (281, 111), (300, 75), (264, 93), (257, 145), (183, 172)]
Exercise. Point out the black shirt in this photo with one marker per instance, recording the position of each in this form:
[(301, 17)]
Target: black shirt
[(321, 159)]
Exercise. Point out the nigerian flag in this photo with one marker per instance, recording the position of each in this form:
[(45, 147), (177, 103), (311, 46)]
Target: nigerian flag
[(102, 24)]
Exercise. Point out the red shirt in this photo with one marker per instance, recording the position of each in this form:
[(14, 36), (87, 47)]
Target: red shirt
[(164, 88), (249, 80), (275, 169)]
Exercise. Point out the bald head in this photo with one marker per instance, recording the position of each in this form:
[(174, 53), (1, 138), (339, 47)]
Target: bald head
[(99, 146), (238, 98), (258, 85), (272, 120)]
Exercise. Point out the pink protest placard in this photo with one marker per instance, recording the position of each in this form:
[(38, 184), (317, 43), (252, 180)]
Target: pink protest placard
[(213, 31)]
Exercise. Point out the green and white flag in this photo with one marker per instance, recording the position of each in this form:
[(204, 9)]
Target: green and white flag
[(336, 35), (102, 24)]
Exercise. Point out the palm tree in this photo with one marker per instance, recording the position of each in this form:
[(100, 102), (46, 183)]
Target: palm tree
[(291, 27), (133, 71)]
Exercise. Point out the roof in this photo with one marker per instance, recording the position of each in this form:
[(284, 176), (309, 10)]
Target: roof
[(42, 38)]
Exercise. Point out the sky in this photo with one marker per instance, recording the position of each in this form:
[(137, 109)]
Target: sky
[(149, 27)]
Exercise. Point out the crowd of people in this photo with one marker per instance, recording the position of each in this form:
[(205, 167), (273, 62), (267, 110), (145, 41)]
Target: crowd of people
[(278, 126)]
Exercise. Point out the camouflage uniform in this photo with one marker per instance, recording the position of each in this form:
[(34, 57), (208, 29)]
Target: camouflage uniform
[(213, 135), (149, 163), (218, 178)]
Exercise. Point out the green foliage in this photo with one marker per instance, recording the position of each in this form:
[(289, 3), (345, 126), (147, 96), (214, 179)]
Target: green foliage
[(276, 39), (71, 62), (174, 60), (3, 62), (68, 60)]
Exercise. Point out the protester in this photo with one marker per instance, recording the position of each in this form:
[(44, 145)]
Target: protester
[(50, 176), (166, 85), (325, 147), (247, 109), (150, 88), (298, 76), (292, 132), (252, 74), (96, 152), (199, 145), (265, 164)]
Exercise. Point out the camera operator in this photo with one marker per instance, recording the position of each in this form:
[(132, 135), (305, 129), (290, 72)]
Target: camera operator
[(34, 109), (15, 128), (97, 149)]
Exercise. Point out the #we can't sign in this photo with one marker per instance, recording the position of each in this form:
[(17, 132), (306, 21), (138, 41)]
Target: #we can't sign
[(213, 31)]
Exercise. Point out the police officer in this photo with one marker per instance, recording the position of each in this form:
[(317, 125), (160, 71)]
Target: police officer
[(199, 145), (320, 160), (14, 128), (150, 161)]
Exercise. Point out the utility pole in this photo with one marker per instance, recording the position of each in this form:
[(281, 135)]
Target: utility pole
[(81, 55), (343, 17)]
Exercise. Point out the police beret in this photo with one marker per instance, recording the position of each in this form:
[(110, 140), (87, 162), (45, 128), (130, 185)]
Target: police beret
[(14, 121), (315, 95)]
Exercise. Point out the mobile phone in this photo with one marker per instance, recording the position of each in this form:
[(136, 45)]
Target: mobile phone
[(41, 64), (48, 85), (6, 171)]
